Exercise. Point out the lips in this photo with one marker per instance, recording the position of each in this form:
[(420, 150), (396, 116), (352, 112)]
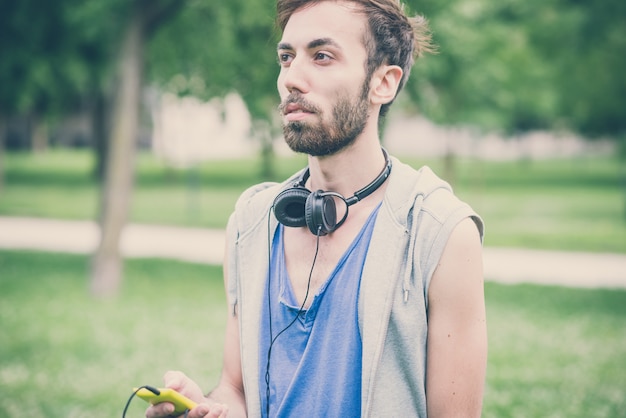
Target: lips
[(295, 108), (294, 111)]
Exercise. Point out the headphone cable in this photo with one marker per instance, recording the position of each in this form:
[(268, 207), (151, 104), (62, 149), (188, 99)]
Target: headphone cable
[(151, 389), (300, 310)]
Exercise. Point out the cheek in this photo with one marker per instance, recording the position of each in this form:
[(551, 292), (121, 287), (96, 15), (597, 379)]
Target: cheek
[(283, 91), (280, 86)]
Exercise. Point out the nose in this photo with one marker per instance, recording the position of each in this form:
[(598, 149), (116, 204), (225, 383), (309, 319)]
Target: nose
[(294, 77)]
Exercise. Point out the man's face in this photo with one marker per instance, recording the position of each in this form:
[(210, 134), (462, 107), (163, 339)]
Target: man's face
[(324, 94)]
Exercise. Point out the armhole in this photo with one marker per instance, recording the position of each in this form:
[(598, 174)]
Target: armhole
[(430, 256)]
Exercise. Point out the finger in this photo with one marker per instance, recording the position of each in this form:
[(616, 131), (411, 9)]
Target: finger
[(218, 411), (224, 412), (174, 379), (199, 411), (206, 411), (160, 410)]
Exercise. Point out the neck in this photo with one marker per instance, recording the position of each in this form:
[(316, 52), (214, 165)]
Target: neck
[(364, 191), (350, 169)]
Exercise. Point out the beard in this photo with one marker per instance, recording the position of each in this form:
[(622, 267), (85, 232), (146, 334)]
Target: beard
[(349, 117)]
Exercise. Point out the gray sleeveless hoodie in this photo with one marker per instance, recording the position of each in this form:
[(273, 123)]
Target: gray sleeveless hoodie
[(418, 213)]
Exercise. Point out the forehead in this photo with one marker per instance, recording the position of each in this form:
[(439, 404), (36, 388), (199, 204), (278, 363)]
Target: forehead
[(338, 21)]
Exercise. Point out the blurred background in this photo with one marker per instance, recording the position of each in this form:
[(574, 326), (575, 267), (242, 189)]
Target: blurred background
[(143, 120)]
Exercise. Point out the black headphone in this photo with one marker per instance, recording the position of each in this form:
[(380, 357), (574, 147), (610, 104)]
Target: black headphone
[(297, 206)]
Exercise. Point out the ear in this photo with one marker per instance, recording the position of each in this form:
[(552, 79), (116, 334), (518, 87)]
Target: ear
[(384, 84)]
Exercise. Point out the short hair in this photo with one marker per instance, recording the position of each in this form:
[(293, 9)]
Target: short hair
[(393, 38)]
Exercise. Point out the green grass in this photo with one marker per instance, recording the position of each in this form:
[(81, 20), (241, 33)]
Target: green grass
[(576, 204), (553, 352), (65, 354), (59, 184)]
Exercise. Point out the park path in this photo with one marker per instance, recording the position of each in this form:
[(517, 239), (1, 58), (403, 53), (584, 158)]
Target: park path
[(506, 265)]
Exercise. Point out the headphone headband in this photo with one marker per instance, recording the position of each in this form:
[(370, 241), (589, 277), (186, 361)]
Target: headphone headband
[(365, 191), (297, 206)]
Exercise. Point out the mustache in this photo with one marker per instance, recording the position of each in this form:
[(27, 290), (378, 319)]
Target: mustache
[(297, 99)]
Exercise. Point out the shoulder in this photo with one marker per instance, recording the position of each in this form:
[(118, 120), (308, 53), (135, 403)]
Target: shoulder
[(459, 271), (431, 213), (254, 204), (419, 195)]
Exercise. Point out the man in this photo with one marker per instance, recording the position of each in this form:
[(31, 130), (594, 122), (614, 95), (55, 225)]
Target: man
[(364, 298)]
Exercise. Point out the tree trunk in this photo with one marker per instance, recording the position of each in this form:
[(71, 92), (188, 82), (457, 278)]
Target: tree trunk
[(621, 146), (39, 143), (99, 127), (107, 263), (449, 159), (2, 135), (262, 131)]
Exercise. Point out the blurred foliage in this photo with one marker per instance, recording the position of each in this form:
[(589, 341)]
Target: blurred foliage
[(53, 54), (511, 65), (213, 48), (518, 65)]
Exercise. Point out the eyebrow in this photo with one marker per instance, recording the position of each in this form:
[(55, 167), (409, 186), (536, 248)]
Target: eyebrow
[(311, 45)]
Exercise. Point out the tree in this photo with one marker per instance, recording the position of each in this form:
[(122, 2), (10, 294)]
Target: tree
[(592, 65), (518, 65), (230, 46), (487, 72), (2, 134), (145, 17), (44, 62)]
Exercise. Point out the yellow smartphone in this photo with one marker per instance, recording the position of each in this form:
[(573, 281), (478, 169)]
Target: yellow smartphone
[(181, 403)]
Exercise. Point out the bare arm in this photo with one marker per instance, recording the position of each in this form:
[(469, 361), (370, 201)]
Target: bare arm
[(228, 398), (230, 388), (457, 328)]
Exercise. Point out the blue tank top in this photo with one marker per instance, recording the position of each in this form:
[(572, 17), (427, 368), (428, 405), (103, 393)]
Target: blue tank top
[(315, 362)]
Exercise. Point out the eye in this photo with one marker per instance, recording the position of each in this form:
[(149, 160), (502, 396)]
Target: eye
[(284, 59), (322, 57)]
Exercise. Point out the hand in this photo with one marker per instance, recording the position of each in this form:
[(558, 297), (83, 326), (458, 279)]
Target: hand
[(187, 387)]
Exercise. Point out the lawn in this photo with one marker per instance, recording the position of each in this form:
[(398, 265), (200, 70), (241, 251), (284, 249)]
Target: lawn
[(553, 352), (64, 354), (575, 204)]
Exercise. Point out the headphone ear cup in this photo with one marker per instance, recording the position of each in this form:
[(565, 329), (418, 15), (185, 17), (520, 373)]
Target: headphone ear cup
[(290, 206), (321, 212)]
